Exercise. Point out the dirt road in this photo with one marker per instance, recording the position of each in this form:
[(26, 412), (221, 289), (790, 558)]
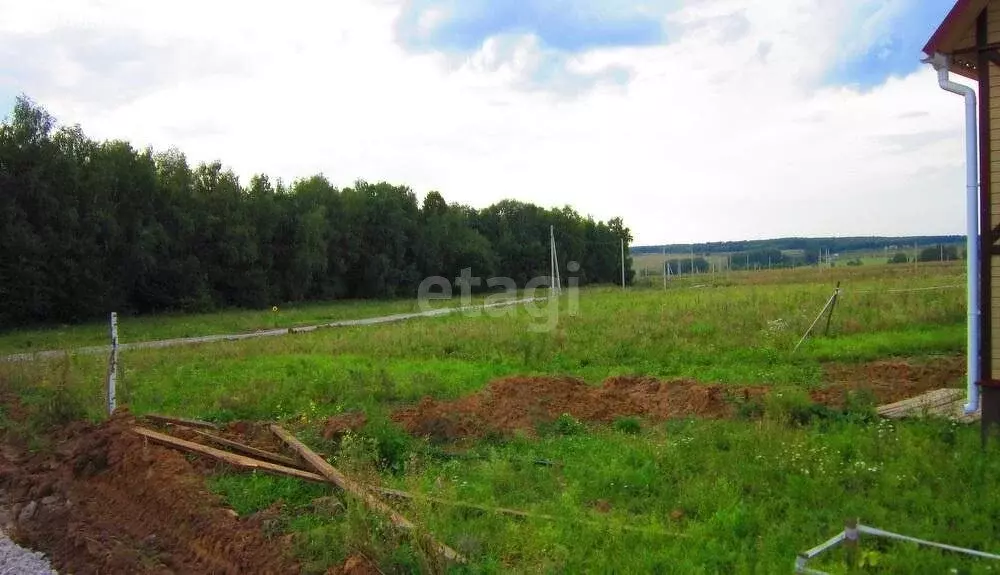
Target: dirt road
[(97, 349)]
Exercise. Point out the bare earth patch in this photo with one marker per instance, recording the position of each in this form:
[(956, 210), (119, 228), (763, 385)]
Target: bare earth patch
[(522, 403), (105, 501), (891, 380)]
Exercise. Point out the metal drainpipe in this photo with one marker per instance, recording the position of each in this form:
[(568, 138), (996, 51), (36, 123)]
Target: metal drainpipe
[(941, 63)]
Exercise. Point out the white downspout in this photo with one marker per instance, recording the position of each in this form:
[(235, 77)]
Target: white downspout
[(941, 64)]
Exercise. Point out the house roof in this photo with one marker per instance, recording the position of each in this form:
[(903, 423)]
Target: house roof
[(956, 36)]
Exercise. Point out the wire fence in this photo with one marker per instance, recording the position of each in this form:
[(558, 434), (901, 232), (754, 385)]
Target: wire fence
[(907, 290), (852, 536)]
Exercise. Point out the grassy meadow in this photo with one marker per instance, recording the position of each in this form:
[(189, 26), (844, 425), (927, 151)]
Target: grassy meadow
[(741, 495)]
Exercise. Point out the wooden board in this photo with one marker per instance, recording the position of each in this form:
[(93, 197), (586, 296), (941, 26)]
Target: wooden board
[(170, 420), (373, 503), (231, 458), (949, 403), (248, 450)]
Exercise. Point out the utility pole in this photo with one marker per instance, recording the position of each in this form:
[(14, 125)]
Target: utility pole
[(554, 262), (623, 262), (665, 268)]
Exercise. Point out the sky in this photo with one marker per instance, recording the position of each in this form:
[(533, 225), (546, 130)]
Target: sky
[(694, 121)]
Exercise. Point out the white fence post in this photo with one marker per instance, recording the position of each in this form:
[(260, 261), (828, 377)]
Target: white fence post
[(113, 364)]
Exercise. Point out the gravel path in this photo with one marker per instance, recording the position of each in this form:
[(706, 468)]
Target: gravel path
[(16, 560), (266, 333)]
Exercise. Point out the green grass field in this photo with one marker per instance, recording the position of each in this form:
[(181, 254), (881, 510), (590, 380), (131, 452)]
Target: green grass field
[(741, 495), (170, 326)]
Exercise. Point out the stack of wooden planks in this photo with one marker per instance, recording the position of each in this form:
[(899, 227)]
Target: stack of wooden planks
[(948, 403)]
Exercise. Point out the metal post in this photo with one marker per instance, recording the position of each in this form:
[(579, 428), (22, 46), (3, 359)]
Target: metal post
[(851, 537), (113, 364)]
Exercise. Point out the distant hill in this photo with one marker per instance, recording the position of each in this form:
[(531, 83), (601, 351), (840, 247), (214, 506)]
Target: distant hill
[(848, 244)]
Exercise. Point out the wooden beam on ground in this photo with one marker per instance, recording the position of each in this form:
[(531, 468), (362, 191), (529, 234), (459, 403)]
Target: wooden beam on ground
[(948, 402), (231, 458), (930, 401), (193, 423), (258, 453), (373, 503)]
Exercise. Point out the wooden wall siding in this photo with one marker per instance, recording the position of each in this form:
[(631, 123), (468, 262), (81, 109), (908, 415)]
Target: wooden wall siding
[(992, 22), (968, 38)]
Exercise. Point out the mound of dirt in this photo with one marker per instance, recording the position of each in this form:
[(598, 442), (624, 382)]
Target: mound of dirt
[(355, 565), (338, 425), (522, 403), (105, 501), (889, 381)]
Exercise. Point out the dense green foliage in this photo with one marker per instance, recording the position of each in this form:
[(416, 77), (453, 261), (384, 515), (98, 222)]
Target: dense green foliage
[(899, 258), (88, 227), (939, 253), (811, 245)]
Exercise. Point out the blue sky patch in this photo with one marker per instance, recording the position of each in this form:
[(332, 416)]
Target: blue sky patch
[(894, 45), (7, 99), (567, 25)]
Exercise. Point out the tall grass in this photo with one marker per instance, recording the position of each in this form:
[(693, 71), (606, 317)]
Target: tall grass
[(693, 496)]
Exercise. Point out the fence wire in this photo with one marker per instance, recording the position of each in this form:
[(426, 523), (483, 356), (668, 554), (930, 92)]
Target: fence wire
[(804, 557)]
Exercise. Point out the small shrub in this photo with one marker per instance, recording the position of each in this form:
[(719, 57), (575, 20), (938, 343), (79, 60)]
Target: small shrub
[(385, 387), (393, 446), (860, 406), (629, 425), (746, 407), (565, 424), (791, 406)]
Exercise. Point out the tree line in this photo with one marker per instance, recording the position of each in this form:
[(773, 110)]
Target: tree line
[(88, 227), (808, 245)]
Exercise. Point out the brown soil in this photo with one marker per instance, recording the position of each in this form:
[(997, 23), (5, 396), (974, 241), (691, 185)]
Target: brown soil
[(105, 501), (339, 425), (522, 403), (889, 381), (355, 565)]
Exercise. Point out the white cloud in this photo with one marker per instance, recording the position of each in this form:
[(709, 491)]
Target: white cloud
[(725, 133)]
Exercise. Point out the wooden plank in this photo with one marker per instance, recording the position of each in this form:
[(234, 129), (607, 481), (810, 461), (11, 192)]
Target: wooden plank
[(249, 450), (180, 421), (948, 403), (929, 399), (373, 503), (967, 39), (231, 458)]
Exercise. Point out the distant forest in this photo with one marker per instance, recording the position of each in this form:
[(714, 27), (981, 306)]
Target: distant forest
[(834, 245), (90, 227)]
